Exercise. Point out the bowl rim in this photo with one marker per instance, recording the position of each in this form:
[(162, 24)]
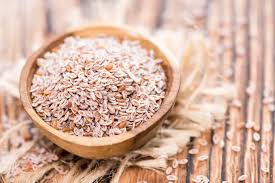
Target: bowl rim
[(165, 107)]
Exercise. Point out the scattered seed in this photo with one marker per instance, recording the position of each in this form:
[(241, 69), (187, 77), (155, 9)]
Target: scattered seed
[(169, 170), (193, 151), (256, 137), (175, 164), (171, 177), (236, 148), (249, 124), (202, 142), (216, 139), (201, 179), (203, 158), (183, 161), (242, 178)]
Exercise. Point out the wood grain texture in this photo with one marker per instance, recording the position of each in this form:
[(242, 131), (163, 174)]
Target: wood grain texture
[(216, 25), (243, 28), (268, 90), (252, 159)]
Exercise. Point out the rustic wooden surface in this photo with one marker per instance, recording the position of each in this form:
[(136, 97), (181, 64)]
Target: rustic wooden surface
[(241, 30)]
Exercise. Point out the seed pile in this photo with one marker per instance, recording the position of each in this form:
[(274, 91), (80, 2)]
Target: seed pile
[(98, 86)]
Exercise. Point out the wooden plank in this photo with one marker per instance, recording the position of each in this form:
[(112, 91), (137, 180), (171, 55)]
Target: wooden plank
[(217, 26), (252, 161), (234, 133), (266, 131)]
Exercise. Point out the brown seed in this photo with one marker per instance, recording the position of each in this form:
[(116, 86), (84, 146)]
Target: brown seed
[(66, 129), (118, 96), (47, 92), (74, 109), (73, 126), (122, 124), (69, 104), (109, 67), (96, 115), (120, 100), (121, 88), (54, 124), (27, 167), (68, 68)]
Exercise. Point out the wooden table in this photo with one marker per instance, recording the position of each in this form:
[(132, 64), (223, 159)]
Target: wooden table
[(242, 31)]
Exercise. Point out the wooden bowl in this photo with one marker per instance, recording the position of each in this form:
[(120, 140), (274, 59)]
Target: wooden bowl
[(104, 147)]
